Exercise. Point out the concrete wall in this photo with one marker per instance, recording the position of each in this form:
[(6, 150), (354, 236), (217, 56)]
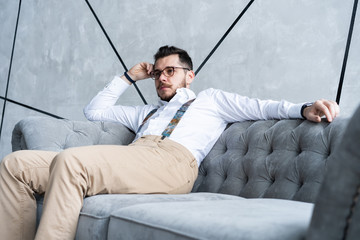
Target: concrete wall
[(280, 49)]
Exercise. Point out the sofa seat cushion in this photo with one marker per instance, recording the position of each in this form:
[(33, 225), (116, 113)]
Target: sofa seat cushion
[(96, 211), (220, 219)]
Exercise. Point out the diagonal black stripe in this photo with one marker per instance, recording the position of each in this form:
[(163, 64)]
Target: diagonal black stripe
[(113, 47), (9, 73), (224, 36), (348, 42), (106, 35), (32, 108)]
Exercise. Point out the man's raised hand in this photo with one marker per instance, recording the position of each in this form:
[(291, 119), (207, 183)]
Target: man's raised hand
[(140, 71)]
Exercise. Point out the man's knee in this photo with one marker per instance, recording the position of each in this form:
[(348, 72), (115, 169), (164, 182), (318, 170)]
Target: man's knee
[(26, 163), (13, 163), (67, 159)]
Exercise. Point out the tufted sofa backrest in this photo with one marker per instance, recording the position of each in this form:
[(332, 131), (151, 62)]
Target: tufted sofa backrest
[(44, 133), (270, 159)]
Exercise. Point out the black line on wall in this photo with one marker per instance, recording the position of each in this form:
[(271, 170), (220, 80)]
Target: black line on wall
[(5, 98), (114, 49), (348, 42), (32, 108), (224, 36), (9, 73)]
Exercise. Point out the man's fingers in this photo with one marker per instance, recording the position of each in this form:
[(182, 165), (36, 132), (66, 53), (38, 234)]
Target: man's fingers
[(140, 71), (336, 108), (314, 116), (331, 107), (325, 107), (149, 68)]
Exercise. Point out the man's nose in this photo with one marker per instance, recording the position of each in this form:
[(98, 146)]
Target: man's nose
[(162, 77)]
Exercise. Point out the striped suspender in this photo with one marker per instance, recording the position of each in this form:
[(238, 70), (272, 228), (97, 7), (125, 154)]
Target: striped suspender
[(174, 121), (146, 118)]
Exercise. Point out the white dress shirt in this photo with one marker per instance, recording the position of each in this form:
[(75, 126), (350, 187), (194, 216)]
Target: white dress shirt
[(200, 126)]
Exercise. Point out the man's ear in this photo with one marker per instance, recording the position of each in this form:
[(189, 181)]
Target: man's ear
[(190, 75)]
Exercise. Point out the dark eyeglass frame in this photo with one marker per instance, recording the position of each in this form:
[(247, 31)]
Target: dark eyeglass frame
[(157, 73)]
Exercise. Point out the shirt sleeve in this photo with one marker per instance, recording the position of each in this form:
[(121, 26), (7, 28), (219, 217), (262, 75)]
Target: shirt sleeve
[(102, 107), (233, 107)]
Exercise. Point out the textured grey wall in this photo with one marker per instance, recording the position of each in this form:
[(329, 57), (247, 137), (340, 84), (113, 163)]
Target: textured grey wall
[(280, 49)]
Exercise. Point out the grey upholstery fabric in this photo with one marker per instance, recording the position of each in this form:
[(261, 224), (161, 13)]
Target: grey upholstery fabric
[(44, 133), (270, 159), (94, 220), (337, 210), (255, 219)]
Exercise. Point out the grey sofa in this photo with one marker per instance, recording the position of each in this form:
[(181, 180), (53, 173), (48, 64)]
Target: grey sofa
[(288, 179)]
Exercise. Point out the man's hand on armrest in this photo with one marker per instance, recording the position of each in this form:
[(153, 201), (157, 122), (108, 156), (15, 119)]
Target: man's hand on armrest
[(320, 108)]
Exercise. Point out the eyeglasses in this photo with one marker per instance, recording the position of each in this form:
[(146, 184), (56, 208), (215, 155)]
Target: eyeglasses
[(168, 72)]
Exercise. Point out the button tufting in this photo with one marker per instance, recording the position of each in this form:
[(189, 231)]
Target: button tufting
[(271, 150)]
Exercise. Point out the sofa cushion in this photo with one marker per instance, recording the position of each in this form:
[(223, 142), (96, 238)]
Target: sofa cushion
[(220, 219), (94, 216)]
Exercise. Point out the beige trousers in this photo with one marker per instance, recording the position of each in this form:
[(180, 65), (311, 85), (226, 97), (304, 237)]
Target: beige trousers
[(150, 165)]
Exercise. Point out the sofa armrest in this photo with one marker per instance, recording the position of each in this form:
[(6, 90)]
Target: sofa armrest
[(337, 209), (45, 133)]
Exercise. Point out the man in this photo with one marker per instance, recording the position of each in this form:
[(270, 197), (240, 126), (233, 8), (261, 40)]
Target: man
[(172, 138)]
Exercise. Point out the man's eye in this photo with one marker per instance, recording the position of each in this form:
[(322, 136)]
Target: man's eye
[(169, 71)]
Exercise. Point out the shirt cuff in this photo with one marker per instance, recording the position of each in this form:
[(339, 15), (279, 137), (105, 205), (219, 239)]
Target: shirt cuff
[(295, 111), (117, 85)]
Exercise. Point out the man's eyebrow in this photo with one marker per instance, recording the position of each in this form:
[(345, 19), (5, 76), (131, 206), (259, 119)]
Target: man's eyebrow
[(156, 69)]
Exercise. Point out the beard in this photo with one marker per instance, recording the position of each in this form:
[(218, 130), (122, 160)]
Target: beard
[(168, 97)]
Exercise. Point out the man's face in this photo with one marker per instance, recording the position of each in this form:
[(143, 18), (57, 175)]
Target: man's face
[(166, 86)]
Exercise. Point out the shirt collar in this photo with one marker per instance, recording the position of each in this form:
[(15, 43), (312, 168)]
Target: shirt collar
[(182, 95)]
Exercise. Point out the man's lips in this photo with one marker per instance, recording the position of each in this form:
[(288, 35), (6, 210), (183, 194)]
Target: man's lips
[(164, 87)]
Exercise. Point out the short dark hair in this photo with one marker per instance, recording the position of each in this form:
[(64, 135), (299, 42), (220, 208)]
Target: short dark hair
[(165, 51)]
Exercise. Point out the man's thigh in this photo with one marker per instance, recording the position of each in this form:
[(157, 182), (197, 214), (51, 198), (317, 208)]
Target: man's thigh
[(131, 169)]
